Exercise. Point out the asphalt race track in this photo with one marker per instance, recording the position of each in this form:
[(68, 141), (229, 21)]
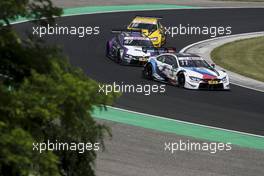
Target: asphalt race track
[(239, 109)]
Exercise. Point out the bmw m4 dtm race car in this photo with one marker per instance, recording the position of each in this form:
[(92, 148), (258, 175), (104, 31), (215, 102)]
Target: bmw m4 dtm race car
[(186, 70), (150, 27), (131, 47)]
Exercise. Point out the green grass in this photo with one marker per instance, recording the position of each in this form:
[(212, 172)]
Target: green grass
[(245, 57)]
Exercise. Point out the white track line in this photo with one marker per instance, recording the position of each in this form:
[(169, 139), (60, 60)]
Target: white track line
[(188, 123), (224, 37), (217, 38)]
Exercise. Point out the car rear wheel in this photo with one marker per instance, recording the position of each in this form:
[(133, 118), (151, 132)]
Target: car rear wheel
[(181, 80), (147, 72), (107, 51)]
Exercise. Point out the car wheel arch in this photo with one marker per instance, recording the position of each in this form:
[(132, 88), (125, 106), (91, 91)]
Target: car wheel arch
[(181, 72)]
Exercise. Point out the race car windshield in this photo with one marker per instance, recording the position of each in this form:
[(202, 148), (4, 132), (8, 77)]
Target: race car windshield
[(133, 42), (149, 27), (193, 62)]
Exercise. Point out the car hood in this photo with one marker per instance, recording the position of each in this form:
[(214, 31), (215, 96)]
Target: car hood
[(204, 73), (136, 51)]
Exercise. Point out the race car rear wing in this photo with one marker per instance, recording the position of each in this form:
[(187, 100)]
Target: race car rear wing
[(156, 51), (118, 31), (159, 18)]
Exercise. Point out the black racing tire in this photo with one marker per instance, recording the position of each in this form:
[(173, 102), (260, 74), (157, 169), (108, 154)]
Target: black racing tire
[(147, 72), (107, 50), (119, 57), (181, 80)]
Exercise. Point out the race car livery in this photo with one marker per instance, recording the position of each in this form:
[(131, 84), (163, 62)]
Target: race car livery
[(150, 27), (131, 47), (186, 70)]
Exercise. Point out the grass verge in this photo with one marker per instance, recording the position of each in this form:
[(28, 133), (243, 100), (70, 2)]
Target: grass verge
[(245, 57)]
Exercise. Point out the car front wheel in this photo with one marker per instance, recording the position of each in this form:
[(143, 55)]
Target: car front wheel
[(181, 80), (147, 72), (120, 56)]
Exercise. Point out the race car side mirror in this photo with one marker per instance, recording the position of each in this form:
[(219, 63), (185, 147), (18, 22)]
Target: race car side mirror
[(145, 32), (213, 65)]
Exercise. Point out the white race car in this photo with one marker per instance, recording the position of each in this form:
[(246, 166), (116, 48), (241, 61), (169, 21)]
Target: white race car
[(132, 48), (186, 70)]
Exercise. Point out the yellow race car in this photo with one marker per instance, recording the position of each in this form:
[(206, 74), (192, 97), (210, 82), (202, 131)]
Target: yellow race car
[(150, 27)]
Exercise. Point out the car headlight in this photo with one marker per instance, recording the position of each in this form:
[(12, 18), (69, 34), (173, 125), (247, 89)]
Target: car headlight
[(154, 39), (224, 80), (195, 79)]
